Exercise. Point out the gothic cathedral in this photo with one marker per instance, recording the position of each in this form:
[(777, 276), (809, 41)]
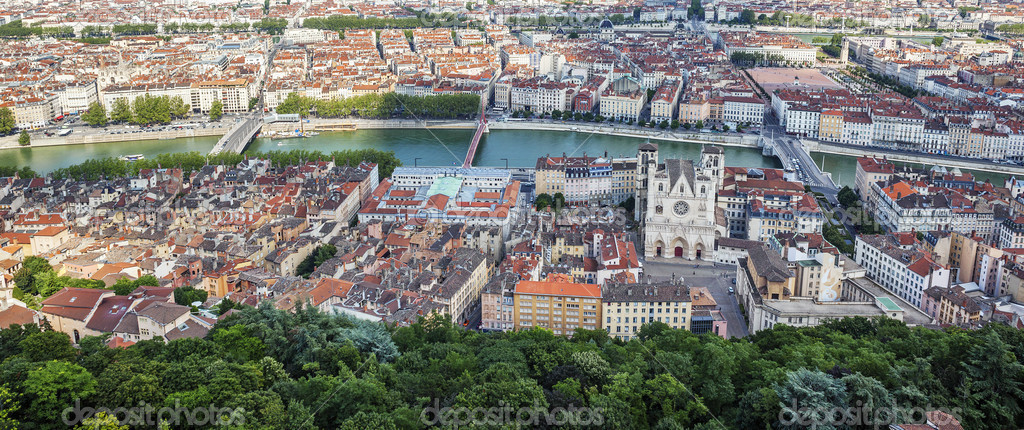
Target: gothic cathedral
[(676, 201)]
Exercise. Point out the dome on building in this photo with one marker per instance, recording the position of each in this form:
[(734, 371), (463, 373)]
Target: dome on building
[(607, 24)]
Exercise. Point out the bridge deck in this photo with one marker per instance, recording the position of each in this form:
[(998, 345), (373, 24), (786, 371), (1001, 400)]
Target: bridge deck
[(238, 137), (481, 127), (474, 144)]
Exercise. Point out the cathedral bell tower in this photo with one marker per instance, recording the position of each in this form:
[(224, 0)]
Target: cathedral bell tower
[(712, 164), (646, 165)]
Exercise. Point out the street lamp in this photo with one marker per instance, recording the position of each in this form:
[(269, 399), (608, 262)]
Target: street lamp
[(415, 162), (506, 163)]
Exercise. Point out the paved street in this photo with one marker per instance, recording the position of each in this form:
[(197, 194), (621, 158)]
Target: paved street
[(717, 278)]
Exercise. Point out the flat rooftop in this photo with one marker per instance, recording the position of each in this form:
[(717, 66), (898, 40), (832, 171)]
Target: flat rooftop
[(772, 78)]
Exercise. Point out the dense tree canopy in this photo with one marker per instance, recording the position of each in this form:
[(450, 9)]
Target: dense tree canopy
[(346, 22), (302, 369), (319, 255), (189, 162), (125, 286), (188, 294), (384, 106), (145, 110), (216, 110), (96, 116), (134, 29), (6, 121), (24, 172)]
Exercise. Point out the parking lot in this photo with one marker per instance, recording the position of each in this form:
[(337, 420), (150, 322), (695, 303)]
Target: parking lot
[(718, 278), (76, 126)]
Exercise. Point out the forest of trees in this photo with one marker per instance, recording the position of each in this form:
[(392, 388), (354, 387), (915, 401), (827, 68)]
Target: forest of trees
[(37, 280), (134, 29), (145, 109), (112, 167), (749, 59), (388, 105), (319, 255), (276, 369), (1011, 28), (346, 22), (18, 29), (778, 18)]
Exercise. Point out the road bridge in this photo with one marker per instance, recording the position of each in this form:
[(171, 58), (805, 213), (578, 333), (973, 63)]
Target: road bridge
[(238, 138), (788, 149)]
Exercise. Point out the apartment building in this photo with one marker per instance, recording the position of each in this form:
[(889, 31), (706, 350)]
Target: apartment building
[(627, 307), (952, 306), (30, 112), (497, 304), (895, 263), (743, 110), (783, 48), (693, 110), (519, 55), (623, 105), (902, 208), (803, 120), (759, 203), (871, 170), (540, 95), (830, 126), (665, 101), (767, 287), (897, 128), (75, 97), (450, 195), (584, 180), (233, 94), (857, 128), (557, 305), (1011, 233)]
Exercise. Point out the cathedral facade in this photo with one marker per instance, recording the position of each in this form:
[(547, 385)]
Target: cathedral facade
[(680, 219)]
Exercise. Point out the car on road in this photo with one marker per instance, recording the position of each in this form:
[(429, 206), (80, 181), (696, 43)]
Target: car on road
[(731, 291)]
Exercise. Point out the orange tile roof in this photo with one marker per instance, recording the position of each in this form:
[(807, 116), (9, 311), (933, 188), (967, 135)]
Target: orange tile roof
[(558, 289), (898, 190)]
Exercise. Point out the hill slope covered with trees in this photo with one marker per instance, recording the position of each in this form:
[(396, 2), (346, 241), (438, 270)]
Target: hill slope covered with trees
[(310, 370)]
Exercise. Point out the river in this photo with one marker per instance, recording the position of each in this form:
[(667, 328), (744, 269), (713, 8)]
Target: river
[(844, 169), (441, 147), (435, 147)]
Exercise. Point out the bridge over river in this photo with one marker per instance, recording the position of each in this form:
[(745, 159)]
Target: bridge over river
[(239, 137)]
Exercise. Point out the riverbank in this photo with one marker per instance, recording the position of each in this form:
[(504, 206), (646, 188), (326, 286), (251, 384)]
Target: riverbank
[(724, 139), (914, 158), (99, 136)]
